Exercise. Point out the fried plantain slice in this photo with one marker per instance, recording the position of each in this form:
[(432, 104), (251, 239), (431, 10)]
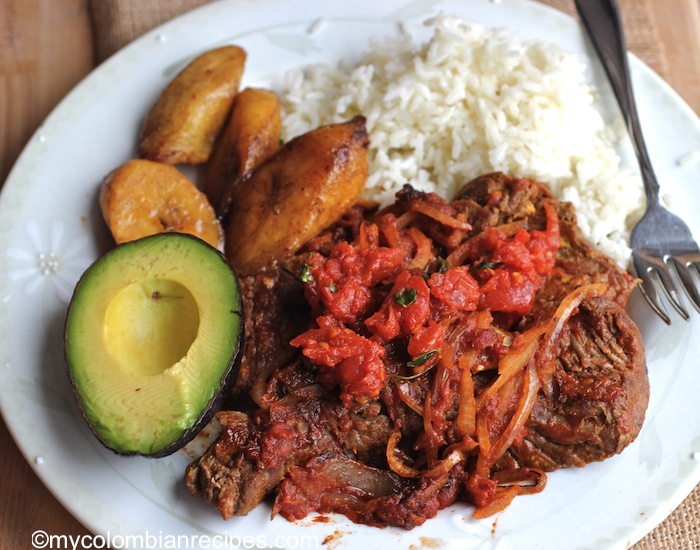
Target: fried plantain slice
[(143, 197), (182, 125), (251, 135), (306, 186)]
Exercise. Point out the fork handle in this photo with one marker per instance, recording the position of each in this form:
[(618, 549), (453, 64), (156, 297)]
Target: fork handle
[(601, 18)]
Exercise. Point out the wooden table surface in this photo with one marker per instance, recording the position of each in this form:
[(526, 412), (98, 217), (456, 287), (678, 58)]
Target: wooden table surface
[(45, 49)]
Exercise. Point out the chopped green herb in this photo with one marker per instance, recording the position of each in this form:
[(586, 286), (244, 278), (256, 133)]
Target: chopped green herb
[(419, 361), (306, 276), (409, 377), (406, 296), (442, 264), (487, 265), (422, 359), (332, 288)]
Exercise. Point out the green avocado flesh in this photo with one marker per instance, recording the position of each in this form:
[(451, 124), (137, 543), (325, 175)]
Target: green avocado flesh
[(151, 340)]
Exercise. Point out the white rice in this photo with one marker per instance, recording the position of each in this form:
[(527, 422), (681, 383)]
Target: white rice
[(469, 101)]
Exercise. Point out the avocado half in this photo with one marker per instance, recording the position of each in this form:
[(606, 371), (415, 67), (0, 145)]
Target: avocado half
[(151, 338)]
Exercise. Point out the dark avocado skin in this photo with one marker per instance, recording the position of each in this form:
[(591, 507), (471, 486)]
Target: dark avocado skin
[(212, 407)]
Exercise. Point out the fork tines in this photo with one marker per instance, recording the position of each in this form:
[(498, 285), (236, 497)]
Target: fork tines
[(656, 270)]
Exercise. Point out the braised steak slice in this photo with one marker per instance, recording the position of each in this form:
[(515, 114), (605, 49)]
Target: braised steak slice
[(256, 450), (601, 388), (274, 310), (599, 395)]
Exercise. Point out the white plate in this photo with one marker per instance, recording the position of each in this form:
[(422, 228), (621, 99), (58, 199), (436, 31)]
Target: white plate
[(50, 230)]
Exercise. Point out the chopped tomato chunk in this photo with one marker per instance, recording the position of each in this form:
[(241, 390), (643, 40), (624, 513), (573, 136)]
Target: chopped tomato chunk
[(426, 339), (456, 288), (405, 309), (341, 284), (355, 362)]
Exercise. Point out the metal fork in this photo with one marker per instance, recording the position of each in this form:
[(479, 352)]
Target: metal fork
[(661, 242)]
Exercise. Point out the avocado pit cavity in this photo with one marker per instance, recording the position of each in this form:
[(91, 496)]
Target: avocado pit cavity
[(150, 326)]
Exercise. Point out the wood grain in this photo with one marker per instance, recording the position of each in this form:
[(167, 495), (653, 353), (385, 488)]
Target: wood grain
[(26, 505), (46, 47), (678, 26)]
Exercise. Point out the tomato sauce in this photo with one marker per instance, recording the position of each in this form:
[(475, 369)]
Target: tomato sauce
[(390, 285)]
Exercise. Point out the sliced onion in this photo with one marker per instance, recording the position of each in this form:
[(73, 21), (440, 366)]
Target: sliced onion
[(521, 352), (519, 362), (547, 353), (499, 503), (483, 437), (530, 480), (440, 216), (404, 219), (466, 416), (444, 466), (347, 472), (257, 391), (511, 483), (442, 372), (466, 446), (431, 443), (259, 388), (362, 237), (395, 463), (424, 249), (392, 234), (410, 401), (531, 386)]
